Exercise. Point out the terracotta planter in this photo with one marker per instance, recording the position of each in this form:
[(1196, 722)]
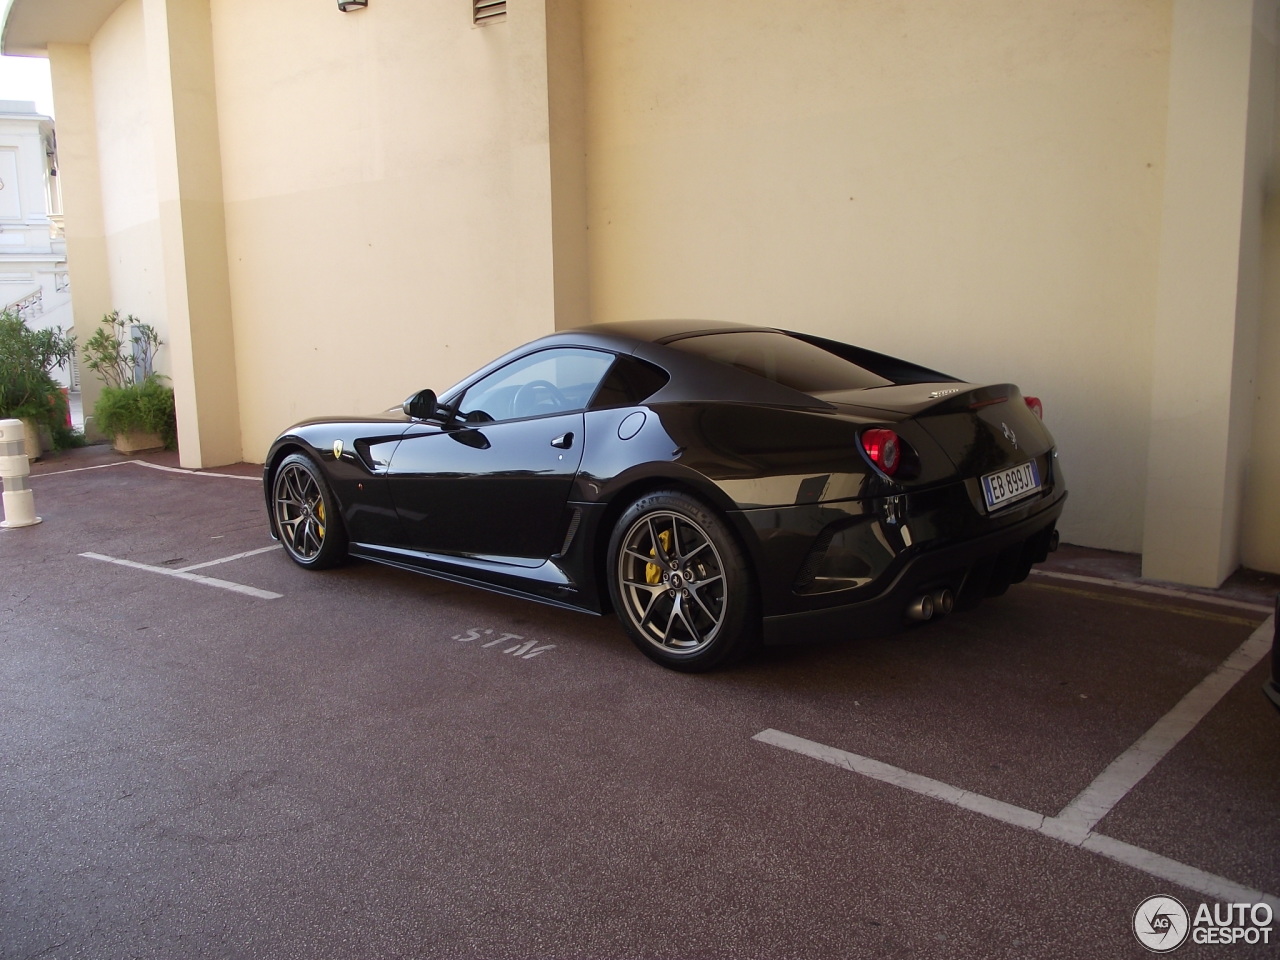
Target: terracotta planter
[(32, 437), (137, 441)]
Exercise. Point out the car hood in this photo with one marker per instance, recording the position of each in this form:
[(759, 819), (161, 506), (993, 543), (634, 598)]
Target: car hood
[(392, 418)]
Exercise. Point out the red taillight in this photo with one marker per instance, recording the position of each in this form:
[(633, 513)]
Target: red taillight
[(884, 448), (1035, 406)]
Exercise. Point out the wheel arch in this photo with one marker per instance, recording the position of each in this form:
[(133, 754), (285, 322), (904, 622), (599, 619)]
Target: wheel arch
[(282, 449), (641, 487), (314, 508)]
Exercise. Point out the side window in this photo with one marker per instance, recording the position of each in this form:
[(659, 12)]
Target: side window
[(631, 381), (549, 381)]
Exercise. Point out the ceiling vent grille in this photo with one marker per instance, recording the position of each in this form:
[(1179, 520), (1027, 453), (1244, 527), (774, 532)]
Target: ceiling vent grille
[(488, 11)]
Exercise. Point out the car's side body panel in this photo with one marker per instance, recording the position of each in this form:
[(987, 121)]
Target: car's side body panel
[(517, 483)]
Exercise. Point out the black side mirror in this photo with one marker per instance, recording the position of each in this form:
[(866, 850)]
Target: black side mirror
[(421, 406)]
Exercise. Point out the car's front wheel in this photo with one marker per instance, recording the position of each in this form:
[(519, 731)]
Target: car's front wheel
[(306, 514), (681, 584)]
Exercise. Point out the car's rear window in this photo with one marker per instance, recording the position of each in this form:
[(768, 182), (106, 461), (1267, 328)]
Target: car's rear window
[(783, 359), (630, 381)]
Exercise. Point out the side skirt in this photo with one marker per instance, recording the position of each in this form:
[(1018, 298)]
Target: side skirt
[(545, 583)]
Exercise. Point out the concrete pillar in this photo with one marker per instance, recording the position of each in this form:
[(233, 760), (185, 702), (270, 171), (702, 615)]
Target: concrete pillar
[(80, 180), (1221, 89), (567, 111), (1260, 537), (549, 160), (184, 116)]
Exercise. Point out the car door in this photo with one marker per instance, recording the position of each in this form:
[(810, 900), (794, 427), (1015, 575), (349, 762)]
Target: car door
[(494, 480)]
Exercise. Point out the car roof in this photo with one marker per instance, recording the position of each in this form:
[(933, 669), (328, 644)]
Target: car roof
[(692, 377), (664, 331), (624, 336)]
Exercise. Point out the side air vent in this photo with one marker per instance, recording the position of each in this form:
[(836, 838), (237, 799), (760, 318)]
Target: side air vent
[(574, 522), (809, 569), (488, 11)]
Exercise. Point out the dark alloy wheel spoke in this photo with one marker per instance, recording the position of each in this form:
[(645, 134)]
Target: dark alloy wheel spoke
[(696, 593), (684, 619)]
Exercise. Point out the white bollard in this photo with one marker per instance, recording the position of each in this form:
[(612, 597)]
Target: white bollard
[(19, 501)]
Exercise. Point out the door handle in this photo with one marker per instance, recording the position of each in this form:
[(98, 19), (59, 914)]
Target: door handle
[(563, 442)]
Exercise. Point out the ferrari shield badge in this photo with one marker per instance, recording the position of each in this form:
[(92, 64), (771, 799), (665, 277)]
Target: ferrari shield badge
[(337, 449)]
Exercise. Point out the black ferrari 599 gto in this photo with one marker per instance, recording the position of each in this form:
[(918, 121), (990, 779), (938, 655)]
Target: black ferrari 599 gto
[(714, 484)]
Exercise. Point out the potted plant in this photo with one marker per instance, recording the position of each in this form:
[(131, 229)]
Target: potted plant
[(136, 406), (28, 392)]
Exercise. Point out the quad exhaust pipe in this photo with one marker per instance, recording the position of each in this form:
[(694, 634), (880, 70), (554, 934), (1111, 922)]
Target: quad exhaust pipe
[(921, 608), (944, 601), (930, 605)]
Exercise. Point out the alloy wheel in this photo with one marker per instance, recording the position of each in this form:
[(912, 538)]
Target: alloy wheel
[(672, 582), (300, 512)]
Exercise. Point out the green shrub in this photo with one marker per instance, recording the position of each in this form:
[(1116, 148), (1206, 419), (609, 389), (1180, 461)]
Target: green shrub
[(121, 352), (121, 348), (27, 389), (146, 406)]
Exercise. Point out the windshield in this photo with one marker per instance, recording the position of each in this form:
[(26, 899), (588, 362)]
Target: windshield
[(782, 359)]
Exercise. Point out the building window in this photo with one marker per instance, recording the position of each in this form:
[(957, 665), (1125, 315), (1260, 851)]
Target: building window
[(488, 11)]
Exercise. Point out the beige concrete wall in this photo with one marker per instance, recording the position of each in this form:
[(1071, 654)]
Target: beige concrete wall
[(1222, 79), (1260, 527), (1256, 327), (126, 156), (71, 71), (387, 182), (184, 116), (566, 92), (975, 186)]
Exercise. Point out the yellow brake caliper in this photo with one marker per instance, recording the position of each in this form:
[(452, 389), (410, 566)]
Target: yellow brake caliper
[(320, 516), (653, 572)]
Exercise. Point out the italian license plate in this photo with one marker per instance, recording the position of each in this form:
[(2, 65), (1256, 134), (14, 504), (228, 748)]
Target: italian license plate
[(1005, 486)]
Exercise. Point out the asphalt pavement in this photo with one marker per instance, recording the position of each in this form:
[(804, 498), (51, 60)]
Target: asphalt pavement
[(209, 752)]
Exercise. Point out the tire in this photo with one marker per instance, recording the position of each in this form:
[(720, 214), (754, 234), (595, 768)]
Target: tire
[(306, 514), (681, 584)]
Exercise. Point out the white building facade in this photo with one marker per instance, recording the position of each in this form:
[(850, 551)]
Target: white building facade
[(33, 251)]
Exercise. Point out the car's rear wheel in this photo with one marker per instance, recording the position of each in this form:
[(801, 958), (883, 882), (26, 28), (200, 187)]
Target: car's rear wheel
[(306, 514), (681, 584)]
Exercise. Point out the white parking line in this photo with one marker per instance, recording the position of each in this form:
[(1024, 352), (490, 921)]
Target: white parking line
[(1111, 786), (182, 573), (234, 556), (1157, 591), (1210, 885), (193, 577), (196, 473), (96, 466), (151, 466), (1074, 825)]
